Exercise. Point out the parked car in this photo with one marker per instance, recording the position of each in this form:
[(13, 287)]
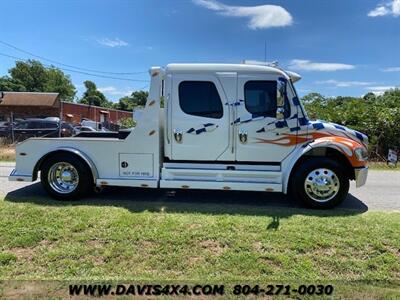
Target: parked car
[(79, 129), (37, 128), (5, 128)]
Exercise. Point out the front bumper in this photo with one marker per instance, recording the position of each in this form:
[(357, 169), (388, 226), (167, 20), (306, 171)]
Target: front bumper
[(14, 176), (361, 175)]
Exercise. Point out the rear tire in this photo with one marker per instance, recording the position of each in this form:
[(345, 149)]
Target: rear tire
[(65, 177), (320, 182)]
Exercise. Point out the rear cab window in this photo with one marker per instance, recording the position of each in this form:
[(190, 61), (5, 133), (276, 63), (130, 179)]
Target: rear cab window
[(200, 98)]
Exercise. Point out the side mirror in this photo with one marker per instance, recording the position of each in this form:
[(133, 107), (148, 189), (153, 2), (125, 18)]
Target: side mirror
[(280, 99), (280, 113)]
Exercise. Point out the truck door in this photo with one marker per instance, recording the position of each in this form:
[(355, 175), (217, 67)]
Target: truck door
[(259, 135), (200, 127)]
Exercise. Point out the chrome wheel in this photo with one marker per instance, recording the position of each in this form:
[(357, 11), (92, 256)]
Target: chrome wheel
[(322, 185), (63, 177)]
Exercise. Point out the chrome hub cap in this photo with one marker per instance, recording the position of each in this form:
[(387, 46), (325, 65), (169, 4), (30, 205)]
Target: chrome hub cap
[(322, 185), (63, 177)]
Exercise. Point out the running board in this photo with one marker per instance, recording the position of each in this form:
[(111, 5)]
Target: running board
[(221, 177), (212, 185), (251, 175)]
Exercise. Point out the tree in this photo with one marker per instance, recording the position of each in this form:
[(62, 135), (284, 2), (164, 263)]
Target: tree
[(139, 98), (32, 76), (376, 116), (92, 96), (58, 82), (8, 85), (136, 99)]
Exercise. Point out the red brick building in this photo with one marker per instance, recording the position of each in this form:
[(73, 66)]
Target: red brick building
[(40, 105), (75, 112), (28, 105)]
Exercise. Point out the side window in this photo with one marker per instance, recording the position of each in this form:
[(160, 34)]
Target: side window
[(260, 98), (200, 98), (49, 125), (35, 125), (21, 125)]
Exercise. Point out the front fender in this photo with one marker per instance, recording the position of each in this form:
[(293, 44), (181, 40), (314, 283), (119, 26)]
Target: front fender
[(344, 145)]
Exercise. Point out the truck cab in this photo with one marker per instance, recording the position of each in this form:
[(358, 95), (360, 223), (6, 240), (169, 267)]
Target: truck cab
[(224, 127)]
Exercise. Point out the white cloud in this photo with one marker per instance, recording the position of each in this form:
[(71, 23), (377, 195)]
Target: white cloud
[(391, 69), (389, 8), (344, 83), (116, 42), (307, 65), (261, 16), (379, 90), (111, 90)]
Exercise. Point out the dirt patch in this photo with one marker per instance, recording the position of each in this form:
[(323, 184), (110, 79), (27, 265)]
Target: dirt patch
[(213, 246), (23, 253), (325, 252), (195, 260), (257, 246), (395, 251), (96, 244), (194, 226), (147, 244)]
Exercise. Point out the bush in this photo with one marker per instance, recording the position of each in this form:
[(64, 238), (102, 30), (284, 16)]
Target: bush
[(376, 116), (127, 123)]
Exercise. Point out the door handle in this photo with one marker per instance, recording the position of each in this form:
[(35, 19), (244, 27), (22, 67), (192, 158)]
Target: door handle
[(243, 136), (178, 135)]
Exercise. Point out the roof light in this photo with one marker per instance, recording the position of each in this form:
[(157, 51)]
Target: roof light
[(260, 63)]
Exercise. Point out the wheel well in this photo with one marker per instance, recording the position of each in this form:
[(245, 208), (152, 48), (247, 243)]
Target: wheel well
[(327, 152), (39, 164)]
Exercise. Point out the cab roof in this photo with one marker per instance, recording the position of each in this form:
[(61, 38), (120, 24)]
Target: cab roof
[(211, 68), (221, 68)]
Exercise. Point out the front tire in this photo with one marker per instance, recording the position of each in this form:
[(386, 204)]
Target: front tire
[(66, 177), (320, 182)]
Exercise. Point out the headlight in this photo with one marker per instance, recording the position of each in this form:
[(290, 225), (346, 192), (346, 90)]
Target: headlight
[(361, 154)]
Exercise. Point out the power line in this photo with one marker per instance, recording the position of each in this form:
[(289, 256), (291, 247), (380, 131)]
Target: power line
[(66, 65), (79, 72)]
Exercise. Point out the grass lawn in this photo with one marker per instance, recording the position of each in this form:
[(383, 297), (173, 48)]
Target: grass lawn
[(383, 166), (7, 153), (201, 242)]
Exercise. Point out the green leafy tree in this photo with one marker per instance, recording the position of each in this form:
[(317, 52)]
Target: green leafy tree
[(136, 99), (376, 116), (32, 76), (8, 85), (58, 82), (92, 96), (139, 98)]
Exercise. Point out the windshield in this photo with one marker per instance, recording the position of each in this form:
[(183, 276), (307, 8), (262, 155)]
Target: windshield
[(301, 103)]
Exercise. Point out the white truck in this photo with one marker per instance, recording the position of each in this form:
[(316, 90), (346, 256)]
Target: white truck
[(223, 127)]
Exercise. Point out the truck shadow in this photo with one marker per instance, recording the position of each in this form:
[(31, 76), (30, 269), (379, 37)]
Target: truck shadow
[(274, 205)]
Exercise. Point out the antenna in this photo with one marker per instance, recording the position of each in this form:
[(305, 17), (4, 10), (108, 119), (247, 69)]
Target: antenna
[(265, 52)]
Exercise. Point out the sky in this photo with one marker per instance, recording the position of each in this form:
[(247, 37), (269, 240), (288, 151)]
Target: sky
[(339, 47)]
